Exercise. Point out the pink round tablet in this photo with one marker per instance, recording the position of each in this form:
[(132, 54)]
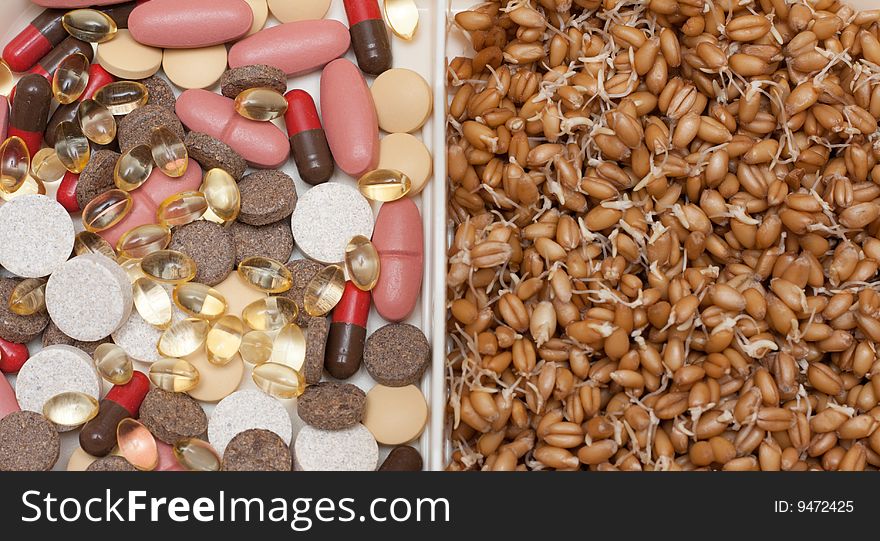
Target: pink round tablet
[(189, 24), (350, 119), (8, 403), (400, 242), (295, 48)]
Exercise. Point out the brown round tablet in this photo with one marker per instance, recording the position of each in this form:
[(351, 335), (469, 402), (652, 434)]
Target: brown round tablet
[(403, 458), (302, 270), (16, 328), (172, 416), (331, 405), (266, 196), (212, 153), (257, 450), (316, 342), (210, 246), (274, 240), (111, 463), (137, 126), (97, 177), (397, 355), (160, 92), (28, 442), (52, 335), (237, 80)]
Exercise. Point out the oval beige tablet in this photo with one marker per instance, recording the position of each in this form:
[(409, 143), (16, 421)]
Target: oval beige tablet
[(125, 58), (408, 155), (261, 13), (195, 68), (238, 293), (395, 415), (403, 100), (288, 11), (215, 382), (80, 460)]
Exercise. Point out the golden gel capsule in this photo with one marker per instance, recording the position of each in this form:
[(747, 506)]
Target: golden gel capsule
[(122, 97), (266, 274), (15, 162), (362, 263), (256, 347), (96, 122), (223, 197), (278, 380), (70, 409), (145, 239), (133, 168), (224, 339), (182, 208), (196, 455), (89, 25), (324, 291), (289, 347), (106, 210), (169, 266), (152, 302), (46, 167), (71, 78), (262, 104), (183, 338), (402, 17), (28, 297), (87, 242), (113, 364), (31, 186), (132, 268), (137, 444), (7, 79), (384, 185), (270, 313), (174, 375), (199, 301), (169, 152), (72, 147)]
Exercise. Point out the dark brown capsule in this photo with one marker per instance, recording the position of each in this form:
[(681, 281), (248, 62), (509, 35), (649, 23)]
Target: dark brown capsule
[(308, 142)]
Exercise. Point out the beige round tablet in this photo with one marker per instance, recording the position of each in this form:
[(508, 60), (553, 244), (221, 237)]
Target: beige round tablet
[(80, 460), (403, 100), (215, 382), (125, 58), (408, 155), (261, 13), (395, 415), (195, 68), (238, 293), (288, 11)]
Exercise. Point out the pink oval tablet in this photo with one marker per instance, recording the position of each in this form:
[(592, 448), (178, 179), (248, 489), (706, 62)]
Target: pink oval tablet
[(143, 211), (262, 144), (4, 117), (167, 460), (8, 403), (400, 242), (160, 186), (76, 3), (189, 24), (295, 48), (350, 120)]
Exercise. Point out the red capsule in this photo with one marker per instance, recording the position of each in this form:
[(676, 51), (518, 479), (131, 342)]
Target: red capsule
[(369, 37), (98, 77), (35, 41), (30, 112), (66, 194), (348, 332), (308, 143), (98, 436), (12, 356)]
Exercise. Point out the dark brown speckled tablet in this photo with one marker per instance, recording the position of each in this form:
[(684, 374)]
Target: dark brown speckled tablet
[(257, 450), (97, 177), (137, 126), (212, 153), (16, 328), (266, 197), (161, 92), (274, 240), (53, 335), (397, 355), (111, 463), (235, 81), (172, 416), (28, 442), (316, 342), (331, 405), (403, 458), (210, 246)]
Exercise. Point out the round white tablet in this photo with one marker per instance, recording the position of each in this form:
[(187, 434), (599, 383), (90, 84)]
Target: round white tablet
[(352, 449), (36, 236), (244, 410), (327, 217), (88, 297), (55, 370)]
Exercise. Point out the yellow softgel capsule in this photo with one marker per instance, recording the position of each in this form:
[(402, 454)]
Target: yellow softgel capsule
[(224, 339), (362, 263), (182, 208), (70, 78), (402, 17), (87, 242), (169, 152), (106, 210), (152, 302), (278, 380), (261, 104), (132, 268), (223, 196), (169, 266), (46, 167), (256, 347), (70, 408), (133, 168), (122, 97), (113, 364), (266, 274), (324, 291), (137, 444), (289, 347), (89, 25), (142, 240), (196, 455), (28, 297), (96, 122), (270, 313), (15, 162), (174, 375), (183, 338), (7, 79), (72, 147), (384, 185), (31, 186), (199, 301)]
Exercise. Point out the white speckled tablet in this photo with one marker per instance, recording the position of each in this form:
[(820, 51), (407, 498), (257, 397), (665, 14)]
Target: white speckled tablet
[(244, 410), (36, 236), (88, 297), (352, 449), (327, 217), (55, 370)]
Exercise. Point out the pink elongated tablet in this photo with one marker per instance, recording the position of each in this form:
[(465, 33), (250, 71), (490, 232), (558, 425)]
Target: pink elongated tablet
[(167, 460), (76, 3), (401, 245), (262, 144), (4, 117), (8, 403), (143, 211), (350, 120), (295, 48), (189, 24)]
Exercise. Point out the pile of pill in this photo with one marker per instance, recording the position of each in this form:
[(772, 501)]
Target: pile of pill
[(158, 243)]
